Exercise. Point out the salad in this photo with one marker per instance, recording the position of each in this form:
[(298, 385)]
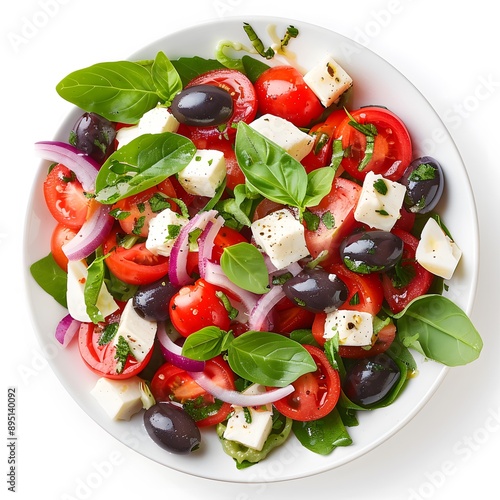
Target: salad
[(240, 249)]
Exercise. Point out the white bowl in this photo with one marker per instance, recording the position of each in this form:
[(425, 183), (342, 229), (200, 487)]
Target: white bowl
[(376, 82)]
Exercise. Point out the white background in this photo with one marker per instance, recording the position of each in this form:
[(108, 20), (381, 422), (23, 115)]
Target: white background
[(449, 51)]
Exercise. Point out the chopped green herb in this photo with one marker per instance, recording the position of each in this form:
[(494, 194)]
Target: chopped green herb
[(122, 352), (173, 231), (119, 214), (328, 220), (108, 333), (380, 186), (248, 415), (158, 202), (424, 172), (139, 224), (312, 220)]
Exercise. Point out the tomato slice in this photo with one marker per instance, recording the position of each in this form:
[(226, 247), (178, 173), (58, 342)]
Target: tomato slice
[(398, 297), (60, 236), (292, 318), (65, 198), (136, 211), (392, 149), (171, 383), (197, 306), (244, 101), (315, 394), (282, 91), (101, 358), (336, 212), (136, 265)]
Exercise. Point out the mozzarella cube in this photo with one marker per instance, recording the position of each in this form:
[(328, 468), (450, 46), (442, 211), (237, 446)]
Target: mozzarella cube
[(380, 202), (138, 332), (253, 427), (281, 236), (204, 173), (154, 121), (120, 399), (354, 328), (285, 134), (436, 252), (75, 293), (328, 81), (163, 231)]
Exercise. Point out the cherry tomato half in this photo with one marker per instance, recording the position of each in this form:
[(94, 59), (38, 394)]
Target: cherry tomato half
[(135, 265), (244, 101), (197, 306), (65, 198), (282, 91), (315, 394), (392, 148), (60, 236), (173, 383)]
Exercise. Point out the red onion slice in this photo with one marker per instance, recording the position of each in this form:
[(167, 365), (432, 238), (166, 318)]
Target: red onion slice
[(66, 330), (172, 352), (92, 234), (237, 398), (206, 243), (84, 167), (259, 320)]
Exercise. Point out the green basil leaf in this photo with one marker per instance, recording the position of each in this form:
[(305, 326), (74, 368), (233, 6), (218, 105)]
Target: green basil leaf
[(51, 278), (191, 67), (92, 288), (142, 163), (322, 436), (253, 67), (269, 169), (206, 343), (121, 91), (319, 184), (244, 265), (165, 78), (440, 330), (269, 358)]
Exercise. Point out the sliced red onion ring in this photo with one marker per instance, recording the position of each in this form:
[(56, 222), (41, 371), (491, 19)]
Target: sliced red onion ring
[(259, 320), (84, 167), (92, 234), (177, 271), (66, 329), (172, 352), (206, 242), (237, 398)]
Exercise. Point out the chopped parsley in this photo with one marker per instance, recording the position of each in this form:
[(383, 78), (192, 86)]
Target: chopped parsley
[(424, 172)]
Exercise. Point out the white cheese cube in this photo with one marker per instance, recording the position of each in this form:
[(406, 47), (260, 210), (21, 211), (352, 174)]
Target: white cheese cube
[(281, 236), (354, 328), (253, 427), (163, 231), (154, 121), (328, 81), (204, 173), (138, 332), (120, 399), (285, 134), (380, 202), (75, 293), (436, 252)]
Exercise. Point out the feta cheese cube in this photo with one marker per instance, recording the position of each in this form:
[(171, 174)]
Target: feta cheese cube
[(163, 231), (120, 399), (138, 332), (380, 202), (204, 173), (253, 427), (285, 134), (436, 252), (75, 293), (281, 236), (154, 121), (328, 81), (354, 328)]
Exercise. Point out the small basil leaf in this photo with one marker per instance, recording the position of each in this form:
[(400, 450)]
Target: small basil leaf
[(244, 265), (165, 78), (51, 278), (269, 169), (92, 289), (189, 68), (206, 343), (269, 358), (440, 330), (121, 91), (319, 184), (142, 163)]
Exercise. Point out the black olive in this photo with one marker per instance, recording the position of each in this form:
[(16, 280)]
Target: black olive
[(371, 251), (202, 106), (369, 380), (151, 301), (316, 290), (424, 181), (172, 428)]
